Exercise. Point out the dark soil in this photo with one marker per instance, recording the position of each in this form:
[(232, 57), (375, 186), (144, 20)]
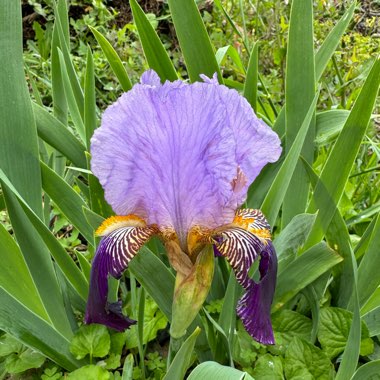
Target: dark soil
[(76, 12)]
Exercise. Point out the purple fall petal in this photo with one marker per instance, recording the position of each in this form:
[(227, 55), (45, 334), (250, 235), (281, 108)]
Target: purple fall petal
[(98, 310), (255, 305), (242, 243), (180, 155), (114, 253)]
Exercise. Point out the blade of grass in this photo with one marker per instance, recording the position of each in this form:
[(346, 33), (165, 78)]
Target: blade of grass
[(299, 93), (322, 57), (59, 98), (193, 39), (251, 80), (302, 272), (71, 101), (52, 131), (229, 51), (183, 359), (155, 52), (66, 264), (113, 59), (89, 99), (61, 18), (67, 200), (339, 163), (35, 332), (338, 237), (19, 151), (24, 291), (368, 278), (276, 194), (40, 265)]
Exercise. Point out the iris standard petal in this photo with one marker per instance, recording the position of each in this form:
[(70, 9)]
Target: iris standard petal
[(114, 252), (180, 154), (243, 242)]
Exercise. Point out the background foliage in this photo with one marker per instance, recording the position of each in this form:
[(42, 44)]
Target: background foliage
[(309, 69)]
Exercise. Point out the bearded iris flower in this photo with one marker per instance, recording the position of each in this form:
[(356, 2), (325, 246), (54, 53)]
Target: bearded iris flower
[(175, 161)]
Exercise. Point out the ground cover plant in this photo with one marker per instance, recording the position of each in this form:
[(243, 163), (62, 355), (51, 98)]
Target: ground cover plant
[(310, 71)]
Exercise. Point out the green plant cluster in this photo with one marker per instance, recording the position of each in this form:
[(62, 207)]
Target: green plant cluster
[(308, 69)]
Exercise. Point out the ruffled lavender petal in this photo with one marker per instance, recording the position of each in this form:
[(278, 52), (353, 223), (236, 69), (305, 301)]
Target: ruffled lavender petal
[(180, 155), (114, 253)]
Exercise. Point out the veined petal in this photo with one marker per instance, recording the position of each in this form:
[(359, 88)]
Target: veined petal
[(116, 249), (242, 243), (180, 155)]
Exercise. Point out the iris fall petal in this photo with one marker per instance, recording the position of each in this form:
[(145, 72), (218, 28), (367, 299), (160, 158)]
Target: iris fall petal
[(115, 251), (243, 242)]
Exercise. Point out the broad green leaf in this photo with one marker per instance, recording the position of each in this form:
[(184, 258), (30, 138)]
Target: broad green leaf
[(88, 372), (268, 367), (40, 265), (334, 330), (251, 80), (128, 368), (93, 340), (307, 362), (154, 320), (368, 371), (213, 370), (339, 163), (74, 109), (299, 94), (156, 279), (19, 150), (287, 324), (16, 269), (52, 131), (322, 57), (292, 237), (67, 200), (329, 124), (183, 358), (154, 50), (368, 274), (337, 236), (66, 264), (113, 59), (372, 319), (276, 194), (325, 52), (33, 331), (8, 345), (22, 361), (303, 271), (245, 349), (193, 39), (89, 118)]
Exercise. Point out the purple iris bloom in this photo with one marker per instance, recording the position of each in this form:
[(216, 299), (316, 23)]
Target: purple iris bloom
[(175, 161)]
